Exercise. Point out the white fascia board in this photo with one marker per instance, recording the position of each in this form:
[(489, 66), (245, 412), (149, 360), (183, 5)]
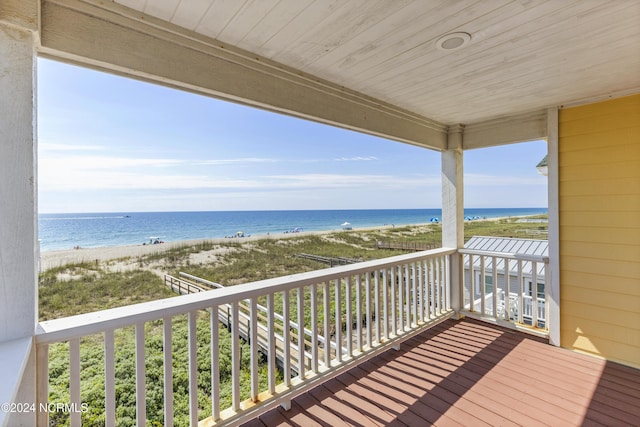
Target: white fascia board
[(507, 130)]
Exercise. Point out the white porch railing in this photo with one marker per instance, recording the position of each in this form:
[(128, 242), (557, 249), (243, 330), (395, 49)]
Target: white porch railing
[(359, 309), (489, 276)]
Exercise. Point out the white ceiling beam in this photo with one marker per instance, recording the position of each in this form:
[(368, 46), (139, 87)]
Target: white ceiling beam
[(507, 130), (117, 39)]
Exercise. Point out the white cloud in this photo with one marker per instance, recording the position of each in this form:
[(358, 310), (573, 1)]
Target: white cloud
[(81, 173), (356, 159), (247, 160), (69, 164), (348, 181), (53, 146), (112, 180)]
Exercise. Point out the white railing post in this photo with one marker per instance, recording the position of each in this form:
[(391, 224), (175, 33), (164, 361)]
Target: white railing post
[(349, 313), (42, 383), (358, 314), (385, 304), (367, 310), (421, 295), (74, 380), (141, 393), (271, 343), (483, 286), (215, 363), (472, 283), (534, 294), (327, 336), (401, 289), (440, 284), (338, 309), (167, 340), (520, 291), (494, 279), (193, 367), (548, 303), (314, 328), (301, 365), (235, 357), (394, 324), (416, 295), (507, 291), (109, 378), (253, 346), (286, 340), (449, 285), (408, 302)]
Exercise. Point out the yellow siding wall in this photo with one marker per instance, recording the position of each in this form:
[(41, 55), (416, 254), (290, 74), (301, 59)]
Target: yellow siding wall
[(599, 201)]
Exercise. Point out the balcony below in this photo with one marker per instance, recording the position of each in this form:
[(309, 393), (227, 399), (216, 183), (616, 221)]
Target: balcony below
[(471, 373)]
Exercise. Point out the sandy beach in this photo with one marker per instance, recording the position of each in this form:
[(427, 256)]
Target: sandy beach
[(51, 259)]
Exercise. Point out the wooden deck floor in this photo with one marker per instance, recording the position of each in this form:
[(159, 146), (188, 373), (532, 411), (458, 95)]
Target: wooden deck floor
[(469, 373)]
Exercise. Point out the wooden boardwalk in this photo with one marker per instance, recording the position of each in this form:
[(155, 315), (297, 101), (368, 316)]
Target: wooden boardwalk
[(469, 373), (329, 260), (407, 246), (187, 284)]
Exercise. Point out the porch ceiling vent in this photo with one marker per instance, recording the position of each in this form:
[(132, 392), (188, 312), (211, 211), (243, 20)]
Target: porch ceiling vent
[(453, 41)]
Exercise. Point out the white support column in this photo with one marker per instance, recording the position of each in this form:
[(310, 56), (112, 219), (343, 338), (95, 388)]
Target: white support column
[(18, 218), (453, 207), (554, 228), (18, 236)]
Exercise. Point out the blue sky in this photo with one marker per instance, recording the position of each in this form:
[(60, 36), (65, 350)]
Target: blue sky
[(111, 144)]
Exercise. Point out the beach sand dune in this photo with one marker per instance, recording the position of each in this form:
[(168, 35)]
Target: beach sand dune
[(58, 258)]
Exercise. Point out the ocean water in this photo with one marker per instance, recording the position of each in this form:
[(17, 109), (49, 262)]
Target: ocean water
[(65, 231)]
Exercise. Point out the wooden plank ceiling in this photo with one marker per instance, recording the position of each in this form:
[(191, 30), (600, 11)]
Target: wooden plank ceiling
[(523, 55)]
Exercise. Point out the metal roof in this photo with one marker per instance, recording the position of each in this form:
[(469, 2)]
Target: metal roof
[(508, 245)]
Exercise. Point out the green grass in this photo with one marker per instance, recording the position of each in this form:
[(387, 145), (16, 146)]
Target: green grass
[(91, 288), (507, 228)]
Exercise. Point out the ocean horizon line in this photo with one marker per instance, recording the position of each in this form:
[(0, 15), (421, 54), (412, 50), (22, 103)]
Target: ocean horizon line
[(281, 210)]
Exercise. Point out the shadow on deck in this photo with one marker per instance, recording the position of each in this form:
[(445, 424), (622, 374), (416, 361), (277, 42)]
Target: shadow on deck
[(471, 373)]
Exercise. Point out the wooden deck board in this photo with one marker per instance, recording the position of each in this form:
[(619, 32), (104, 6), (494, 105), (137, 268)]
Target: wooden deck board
[(467, 372)]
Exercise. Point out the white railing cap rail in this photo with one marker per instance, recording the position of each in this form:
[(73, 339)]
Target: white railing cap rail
[(66, 328), (524, 257)]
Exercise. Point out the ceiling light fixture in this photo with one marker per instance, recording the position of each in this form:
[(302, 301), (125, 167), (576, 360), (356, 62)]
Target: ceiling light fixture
[(453, 41)]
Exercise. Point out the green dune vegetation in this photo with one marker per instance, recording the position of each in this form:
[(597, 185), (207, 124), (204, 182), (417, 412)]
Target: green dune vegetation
[(86, 287)]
